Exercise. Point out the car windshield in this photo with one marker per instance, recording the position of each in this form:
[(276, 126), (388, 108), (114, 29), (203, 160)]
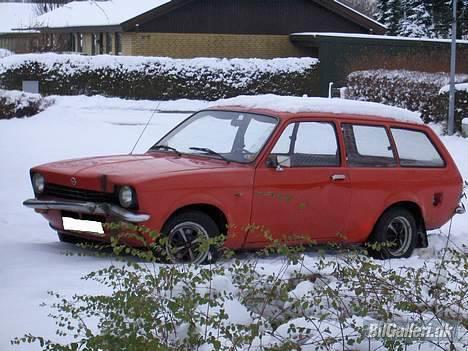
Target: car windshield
[(228, 135)]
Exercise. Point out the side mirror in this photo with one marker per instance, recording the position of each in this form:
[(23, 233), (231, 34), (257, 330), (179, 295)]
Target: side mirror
[(272, 161)]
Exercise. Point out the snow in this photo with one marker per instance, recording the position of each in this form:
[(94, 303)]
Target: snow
[(70, 63), (320, 105), (20, 98), (238, 72), (31, 258), (465, 121), (372, 37), (14, 16), (458, 87), (96, 13), (415, 77), (5, 53)]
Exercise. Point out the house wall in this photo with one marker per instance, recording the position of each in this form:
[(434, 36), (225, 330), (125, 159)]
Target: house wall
[(20, 43), (182, 45), (276, 17)]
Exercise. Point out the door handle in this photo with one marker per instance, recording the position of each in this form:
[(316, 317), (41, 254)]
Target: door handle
[(337, 177)]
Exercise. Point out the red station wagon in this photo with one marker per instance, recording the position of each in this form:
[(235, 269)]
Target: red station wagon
[(329, 172)]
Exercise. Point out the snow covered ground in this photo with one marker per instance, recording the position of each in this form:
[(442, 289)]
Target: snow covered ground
[(31, 258)]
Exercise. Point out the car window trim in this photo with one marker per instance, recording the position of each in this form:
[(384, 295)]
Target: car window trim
[(376, 125), (296, 122), (430, 140)]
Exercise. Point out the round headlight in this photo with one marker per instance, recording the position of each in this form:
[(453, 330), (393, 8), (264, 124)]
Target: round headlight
[(126, 197), (38, 183)]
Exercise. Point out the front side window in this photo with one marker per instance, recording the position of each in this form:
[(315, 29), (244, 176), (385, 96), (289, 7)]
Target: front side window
[(415, 149), (368, 146), (235, 136), (307, 144)]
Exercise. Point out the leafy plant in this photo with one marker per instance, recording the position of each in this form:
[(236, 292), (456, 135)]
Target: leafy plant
[(310, 301)]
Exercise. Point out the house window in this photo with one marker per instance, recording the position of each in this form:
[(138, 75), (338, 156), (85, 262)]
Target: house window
[(118, 43), (109, 43), (101, 43), (368, 146), (79, 42), (93, 43)]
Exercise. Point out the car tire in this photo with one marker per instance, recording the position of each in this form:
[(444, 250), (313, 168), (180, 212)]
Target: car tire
[(397, 226), (183, 231)]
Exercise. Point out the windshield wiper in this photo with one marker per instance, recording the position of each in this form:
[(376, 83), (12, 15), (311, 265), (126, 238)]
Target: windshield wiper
[(210, 152), (166, 147)]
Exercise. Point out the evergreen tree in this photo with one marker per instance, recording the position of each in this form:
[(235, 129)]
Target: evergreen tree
[(441, 17), (462, 19), (389, 13), (382, 8), (417, 19)]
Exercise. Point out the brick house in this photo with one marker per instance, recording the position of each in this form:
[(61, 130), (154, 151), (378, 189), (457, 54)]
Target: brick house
[(194, 28)]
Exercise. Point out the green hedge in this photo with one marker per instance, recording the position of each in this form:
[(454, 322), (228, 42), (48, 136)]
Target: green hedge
[(160, 78), (415, 91)]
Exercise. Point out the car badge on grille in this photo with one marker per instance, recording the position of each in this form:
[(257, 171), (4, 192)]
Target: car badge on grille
[(73, 181)]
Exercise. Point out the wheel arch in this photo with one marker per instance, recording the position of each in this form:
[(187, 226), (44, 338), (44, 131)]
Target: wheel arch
[(211, 210)]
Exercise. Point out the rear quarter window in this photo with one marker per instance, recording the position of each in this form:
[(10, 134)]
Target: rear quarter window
[(416, 149)]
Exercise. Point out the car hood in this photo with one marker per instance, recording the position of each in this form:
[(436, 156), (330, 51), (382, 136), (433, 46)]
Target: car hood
[(123, 168)]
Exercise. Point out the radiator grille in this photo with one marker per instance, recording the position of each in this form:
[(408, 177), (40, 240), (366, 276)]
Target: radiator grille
[(64, 192)]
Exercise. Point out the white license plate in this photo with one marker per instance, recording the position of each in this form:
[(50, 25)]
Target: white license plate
[(78, 225)]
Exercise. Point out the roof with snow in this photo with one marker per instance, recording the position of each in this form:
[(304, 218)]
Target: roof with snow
[(127, 13), (96, 13), (15, 15), (291, 104), (318, 35)]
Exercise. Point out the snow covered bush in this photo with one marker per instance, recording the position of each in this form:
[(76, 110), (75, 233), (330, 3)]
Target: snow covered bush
[(461, 103), (412, 90), (319, 304), (160, 78), (15, 103), (5, 53)]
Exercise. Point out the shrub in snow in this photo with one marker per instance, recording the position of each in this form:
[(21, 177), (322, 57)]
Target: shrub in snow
[(19, 104), (303, 304), (160, 78), (415, 91), (5, 53)]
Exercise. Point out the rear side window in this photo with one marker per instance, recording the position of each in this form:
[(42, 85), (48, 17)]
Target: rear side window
[(368, 146), (416, 149)]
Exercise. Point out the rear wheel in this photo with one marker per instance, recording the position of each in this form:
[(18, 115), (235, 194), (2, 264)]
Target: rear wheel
[(187, 234), (396, 233)]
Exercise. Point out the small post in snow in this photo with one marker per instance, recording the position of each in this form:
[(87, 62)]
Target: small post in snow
[(453, 63), (330, 86)]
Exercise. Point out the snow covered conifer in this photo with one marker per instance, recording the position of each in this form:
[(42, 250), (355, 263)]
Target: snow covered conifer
[(417, 19)]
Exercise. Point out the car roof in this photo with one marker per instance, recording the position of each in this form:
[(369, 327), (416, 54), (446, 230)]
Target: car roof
[(287, 107), (319, 115)]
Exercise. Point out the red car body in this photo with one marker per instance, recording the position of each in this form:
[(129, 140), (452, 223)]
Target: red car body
[(339, 203)]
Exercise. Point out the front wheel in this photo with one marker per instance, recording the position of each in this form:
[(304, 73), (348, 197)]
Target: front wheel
[(394, 236), (188, 236)]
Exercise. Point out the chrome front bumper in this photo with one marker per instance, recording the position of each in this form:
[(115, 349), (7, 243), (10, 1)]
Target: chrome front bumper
[(93, 208)]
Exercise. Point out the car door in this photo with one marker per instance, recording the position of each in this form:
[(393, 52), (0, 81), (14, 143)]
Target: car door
[(302, 189)]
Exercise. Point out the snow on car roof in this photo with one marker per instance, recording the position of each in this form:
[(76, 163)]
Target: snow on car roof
[(294, 104)]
